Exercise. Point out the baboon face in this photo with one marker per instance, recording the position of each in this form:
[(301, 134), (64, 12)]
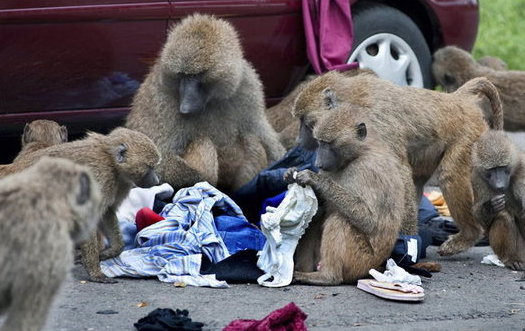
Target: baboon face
[(452, 67), (136, 156), (498, 178), (340, 142), (494, 158), (44, 131), (306, 138), (202, 60)]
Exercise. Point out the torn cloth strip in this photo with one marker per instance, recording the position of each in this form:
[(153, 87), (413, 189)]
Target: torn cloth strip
[(329, 34), (171, 249)]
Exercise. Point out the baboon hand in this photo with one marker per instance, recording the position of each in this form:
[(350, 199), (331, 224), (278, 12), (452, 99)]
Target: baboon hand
[(306, 177), (289, 175), (497, 203)]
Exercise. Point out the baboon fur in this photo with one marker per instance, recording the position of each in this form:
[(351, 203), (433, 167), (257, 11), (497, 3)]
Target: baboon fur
[(230, 140), (361, 196), (119, 160), (493, 62), (44, 211), (452, 67), (428, 130), (505, 228), (280, 115), (41, 134)]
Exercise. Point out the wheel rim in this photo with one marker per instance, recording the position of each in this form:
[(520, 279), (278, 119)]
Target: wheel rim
[(391, 58)]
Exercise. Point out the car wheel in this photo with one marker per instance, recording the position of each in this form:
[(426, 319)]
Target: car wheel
[(388, 42)]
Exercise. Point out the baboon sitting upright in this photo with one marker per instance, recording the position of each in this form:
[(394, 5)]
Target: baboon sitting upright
[(44, 211), (452, 67), (360, 185), (498, 181), (41, 134), (203, 105), (428, 130), (119, 160)]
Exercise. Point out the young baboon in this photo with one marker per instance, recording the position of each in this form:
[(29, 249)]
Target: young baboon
[(44, 211), (493, 62), (280, 115), (203, 105), (41, 134), (498, 181), (452, 67), (119, 160), (429, 130), (360, 184)]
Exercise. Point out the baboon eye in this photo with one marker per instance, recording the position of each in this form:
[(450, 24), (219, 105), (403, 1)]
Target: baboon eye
[(449, 80)]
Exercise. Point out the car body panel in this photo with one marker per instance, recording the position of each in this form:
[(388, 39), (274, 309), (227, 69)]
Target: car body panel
[(81, 64)]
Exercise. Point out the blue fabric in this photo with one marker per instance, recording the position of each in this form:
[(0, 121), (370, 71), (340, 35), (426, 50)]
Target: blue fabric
[(273, 202), (238, 234), (171, 249), (427, 210), (401, 253), (270, 182)]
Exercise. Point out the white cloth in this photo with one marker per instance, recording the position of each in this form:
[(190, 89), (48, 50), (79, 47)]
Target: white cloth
[(492, 259), (395, 274), (139, 198), (283, 227)]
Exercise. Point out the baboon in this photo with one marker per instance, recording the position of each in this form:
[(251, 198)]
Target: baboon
[(280, 115), (119, 160), (360, 185), (498, 181), (203, 105), (429, 130), (493, 62), (41, 134), (452, 67), (44, 211)]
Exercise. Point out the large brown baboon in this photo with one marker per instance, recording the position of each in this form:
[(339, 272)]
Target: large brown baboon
[(429, 130), (203, 105), (453, 66), (119, 160), (360, 184), (498, 181), (44, 211), (41, 134)]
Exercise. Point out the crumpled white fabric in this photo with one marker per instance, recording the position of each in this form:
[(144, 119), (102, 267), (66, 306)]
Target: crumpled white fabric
[(492, 259), (283, 227), (139, 198), (395, 274)]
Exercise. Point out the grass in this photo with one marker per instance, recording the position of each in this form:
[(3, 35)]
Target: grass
[(502, 32)]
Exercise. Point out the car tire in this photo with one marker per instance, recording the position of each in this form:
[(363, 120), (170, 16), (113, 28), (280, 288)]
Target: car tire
[(386, 40)]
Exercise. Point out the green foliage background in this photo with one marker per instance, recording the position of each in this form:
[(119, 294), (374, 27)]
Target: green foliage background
[(502, 32)]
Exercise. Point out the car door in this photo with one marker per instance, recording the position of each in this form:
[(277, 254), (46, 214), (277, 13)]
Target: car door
[(271, 33), (75, 61)]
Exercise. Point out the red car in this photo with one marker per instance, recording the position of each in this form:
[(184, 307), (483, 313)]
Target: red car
[(80, 62)]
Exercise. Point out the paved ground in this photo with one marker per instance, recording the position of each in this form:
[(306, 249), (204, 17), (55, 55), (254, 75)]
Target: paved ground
[(466, 295)]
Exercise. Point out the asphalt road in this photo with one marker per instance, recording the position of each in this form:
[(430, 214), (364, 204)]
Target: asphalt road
[(465, 295)]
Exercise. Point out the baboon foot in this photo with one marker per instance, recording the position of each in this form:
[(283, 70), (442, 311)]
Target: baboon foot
[(455, 244), (111, 252), (315, 278), (516, 265), (102, 279)]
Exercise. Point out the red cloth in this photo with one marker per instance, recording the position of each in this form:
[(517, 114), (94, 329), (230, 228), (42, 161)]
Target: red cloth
[(146, 217), (288, 318), (329, 34)]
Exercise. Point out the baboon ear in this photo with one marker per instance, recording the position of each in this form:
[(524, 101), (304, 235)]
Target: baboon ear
[(120, 154), (63, 133), (330, 98), (25, 135), (361, 131)]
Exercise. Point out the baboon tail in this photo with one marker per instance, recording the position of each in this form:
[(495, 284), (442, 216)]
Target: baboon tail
[(481, 85)]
